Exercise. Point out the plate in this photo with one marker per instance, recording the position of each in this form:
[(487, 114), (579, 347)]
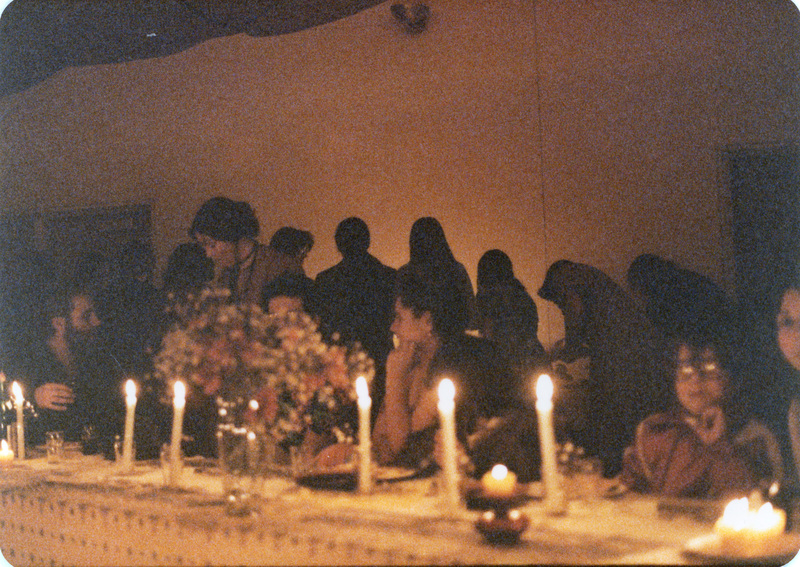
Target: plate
[(394, 474), (708, 548), (329, 480)]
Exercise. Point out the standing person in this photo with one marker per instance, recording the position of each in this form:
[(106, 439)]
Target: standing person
[(678, 301), (626, 353), (431, 258), (507, 314), (227, 231), (73, 381), (355, 297)]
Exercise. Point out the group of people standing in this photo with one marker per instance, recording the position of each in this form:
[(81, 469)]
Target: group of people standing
[(659, 408)]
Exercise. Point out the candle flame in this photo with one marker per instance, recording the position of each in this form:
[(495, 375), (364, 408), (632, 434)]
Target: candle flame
[(180, 390), (544, 388), (4, 446), (16, 389), (499, 472), (738, 516), (361, 388), (447, 390), (253, 405), (130, 389)]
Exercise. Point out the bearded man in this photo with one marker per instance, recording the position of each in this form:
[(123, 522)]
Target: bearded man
[(75, 383)]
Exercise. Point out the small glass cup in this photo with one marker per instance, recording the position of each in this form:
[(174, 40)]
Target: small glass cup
[(54, 443)]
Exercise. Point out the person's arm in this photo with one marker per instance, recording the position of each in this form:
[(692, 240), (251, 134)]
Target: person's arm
[(57, 397)]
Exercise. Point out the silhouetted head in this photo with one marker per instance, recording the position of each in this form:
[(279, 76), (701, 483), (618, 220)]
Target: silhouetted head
[(225, 220), (352, 237), (427, 242), (494, 268), (292, 241)]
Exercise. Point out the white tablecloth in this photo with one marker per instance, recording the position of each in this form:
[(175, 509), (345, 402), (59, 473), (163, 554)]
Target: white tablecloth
[(82, 512)]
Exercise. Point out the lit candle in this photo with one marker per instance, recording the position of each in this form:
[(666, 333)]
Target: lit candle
[(6, 454), (554, 496), (19, 401), (499, 482), (127, 444), (178, 405), (744, 531), (364, 442), (447, 407)]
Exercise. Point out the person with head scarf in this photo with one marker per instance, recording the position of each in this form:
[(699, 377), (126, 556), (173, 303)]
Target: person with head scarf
[(507, 314)]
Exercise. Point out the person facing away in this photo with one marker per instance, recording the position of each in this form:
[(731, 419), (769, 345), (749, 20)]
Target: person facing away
[(430, 257), (188, 271), (355, 297), (507, 314), (73, 381), (626, 353), (704, 446), (678, 301)]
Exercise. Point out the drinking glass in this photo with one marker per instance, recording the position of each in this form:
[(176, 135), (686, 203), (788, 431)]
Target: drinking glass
[(54, 443)]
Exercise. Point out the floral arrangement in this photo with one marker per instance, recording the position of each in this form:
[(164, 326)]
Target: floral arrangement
[(288, 377)]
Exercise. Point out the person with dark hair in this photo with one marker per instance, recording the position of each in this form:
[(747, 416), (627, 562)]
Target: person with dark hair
[(134, 314), (704, 446), (292, 242), (69, 375), (188, 270), (431, 345), (431, 258), (678, 301), (787, 335), (626, 357), (289, 292), (227, 231), (507, 314), (355, 297)]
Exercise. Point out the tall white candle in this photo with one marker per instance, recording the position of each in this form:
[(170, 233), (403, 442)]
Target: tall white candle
[(127, 443), (364, 441), (19, 402), (178, 405), (554, 496), (447, 419)]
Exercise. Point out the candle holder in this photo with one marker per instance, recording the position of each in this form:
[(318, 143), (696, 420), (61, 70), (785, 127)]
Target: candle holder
[(502, 527), (477, 498)]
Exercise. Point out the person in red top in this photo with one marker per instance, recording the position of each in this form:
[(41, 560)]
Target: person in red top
[(698, 448)]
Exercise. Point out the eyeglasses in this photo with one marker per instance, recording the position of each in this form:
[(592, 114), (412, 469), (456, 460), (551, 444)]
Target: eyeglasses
[(703, 372)]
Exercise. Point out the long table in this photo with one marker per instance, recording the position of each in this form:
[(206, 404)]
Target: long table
[(84, 511)]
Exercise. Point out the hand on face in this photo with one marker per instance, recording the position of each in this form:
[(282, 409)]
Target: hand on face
[(709, 425), (57, 397)]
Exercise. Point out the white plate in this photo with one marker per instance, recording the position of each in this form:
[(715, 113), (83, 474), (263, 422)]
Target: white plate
[(709, 548)]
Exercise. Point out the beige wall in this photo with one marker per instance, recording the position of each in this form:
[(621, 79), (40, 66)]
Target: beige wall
[(588, 130)]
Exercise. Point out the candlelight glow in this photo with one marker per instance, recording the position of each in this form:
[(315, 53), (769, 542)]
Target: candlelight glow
[(180, 391), (253, 405), (361, 388), (499, 472), (16, 389), (4, 446), (130, 389), (447, 390), (544, 388), (749, 532)]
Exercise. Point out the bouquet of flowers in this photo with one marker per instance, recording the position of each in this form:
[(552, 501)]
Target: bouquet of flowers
[(277, 365)]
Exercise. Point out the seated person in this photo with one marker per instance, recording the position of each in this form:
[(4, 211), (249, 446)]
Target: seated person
[(787, 324), (74, 382), (289, 292), (431, 345), (698, 449)]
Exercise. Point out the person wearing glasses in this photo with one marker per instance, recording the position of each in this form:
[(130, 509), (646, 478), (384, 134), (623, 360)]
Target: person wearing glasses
[(705, 446)]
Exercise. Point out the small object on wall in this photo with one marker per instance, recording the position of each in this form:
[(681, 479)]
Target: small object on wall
[(412, 15)]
